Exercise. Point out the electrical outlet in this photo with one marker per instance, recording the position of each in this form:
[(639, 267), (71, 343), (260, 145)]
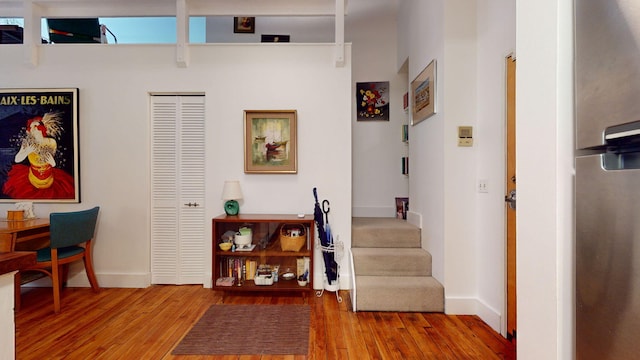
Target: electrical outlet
[(483, 186)]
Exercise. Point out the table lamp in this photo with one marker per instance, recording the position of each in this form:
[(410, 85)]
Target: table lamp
[(231, 192)]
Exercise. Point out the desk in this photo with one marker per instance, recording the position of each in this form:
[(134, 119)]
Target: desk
[(9, 264), (28, 234)]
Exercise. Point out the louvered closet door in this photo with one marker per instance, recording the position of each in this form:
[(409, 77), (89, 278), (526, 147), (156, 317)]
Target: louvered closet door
[(177, 199)]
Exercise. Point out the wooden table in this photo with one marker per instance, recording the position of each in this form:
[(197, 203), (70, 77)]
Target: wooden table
[(30, 234)]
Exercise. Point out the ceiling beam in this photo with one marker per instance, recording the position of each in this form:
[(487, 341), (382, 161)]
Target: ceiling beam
[(132, 8)]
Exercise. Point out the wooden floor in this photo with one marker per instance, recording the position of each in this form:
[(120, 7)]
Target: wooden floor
[(149, 323)]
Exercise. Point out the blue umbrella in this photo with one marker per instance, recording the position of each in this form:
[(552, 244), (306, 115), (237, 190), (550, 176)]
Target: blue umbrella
[(326, 239)]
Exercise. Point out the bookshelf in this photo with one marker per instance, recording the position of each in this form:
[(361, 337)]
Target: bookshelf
[(266, 250)]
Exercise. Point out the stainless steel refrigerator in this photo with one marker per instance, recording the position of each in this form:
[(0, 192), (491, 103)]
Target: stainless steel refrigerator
[(607, 185)]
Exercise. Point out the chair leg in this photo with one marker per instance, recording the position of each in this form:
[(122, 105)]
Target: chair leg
[(88, 267), (55, 280), (65, 275), (16, 291)]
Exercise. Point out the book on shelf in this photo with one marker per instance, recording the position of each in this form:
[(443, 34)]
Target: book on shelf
[(405, 165), (302, 266), (251, 266), (225, 281)]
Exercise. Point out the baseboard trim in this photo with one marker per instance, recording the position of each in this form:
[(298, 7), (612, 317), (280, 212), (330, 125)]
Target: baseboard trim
[(474, 306), (414, 219), (345, 282), (136, 281)]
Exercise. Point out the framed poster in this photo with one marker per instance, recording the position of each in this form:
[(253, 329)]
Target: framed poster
[(39, 150), (372, 101), (270, 142), (423, 94)]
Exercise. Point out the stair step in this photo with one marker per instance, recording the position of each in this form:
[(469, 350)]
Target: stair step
[(399, 293), (383, 232), (391, 261)]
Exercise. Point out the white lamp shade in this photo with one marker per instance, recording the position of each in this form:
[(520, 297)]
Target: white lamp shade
[(231, 190)]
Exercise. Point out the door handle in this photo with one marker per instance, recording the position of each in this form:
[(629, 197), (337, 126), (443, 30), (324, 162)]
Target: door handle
[(190, 204), (511, 199)]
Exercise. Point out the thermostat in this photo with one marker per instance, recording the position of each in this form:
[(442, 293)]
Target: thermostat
[(465, 135)]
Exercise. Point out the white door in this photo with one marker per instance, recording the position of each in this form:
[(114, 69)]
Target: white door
[(177, 190)]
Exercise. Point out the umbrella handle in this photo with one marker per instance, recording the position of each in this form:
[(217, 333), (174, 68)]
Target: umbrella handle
[(315, 194), (326, 211)]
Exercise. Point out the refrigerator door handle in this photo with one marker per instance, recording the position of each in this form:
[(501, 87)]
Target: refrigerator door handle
[(620, 132)]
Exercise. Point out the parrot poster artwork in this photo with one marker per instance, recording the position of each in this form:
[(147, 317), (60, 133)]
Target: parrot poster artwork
[(39, 145)]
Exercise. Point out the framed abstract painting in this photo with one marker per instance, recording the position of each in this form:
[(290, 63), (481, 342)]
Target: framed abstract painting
[(270, 142)]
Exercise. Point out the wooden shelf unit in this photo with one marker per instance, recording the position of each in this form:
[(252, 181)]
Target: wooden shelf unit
[(265, 230)]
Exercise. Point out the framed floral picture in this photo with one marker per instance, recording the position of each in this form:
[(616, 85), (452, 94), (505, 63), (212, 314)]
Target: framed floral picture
[(270, 142), (39, 145), (372, 101)]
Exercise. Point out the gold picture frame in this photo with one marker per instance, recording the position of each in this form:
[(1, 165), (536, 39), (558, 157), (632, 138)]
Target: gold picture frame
[(423, 94), (270, 142), (244, 24)]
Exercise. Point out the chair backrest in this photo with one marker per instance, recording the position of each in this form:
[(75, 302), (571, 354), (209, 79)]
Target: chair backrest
[(72, 228)]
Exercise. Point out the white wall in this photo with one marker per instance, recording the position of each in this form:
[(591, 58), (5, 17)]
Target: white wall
[(544, 114), (463, 229), (377, 145), (302, 29), (496, 40), (115, 82)]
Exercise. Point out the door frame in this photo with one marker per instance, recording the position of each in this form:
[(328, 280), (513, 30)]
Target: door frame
[(510, 185)]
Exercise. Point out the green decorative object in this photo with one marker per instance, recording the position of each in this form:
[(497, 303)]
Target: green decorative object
[(231, 207), (231, 192)]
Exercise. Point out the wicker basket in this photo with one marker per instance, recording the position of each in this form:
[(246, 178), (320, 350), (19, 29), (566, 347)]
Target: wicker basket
[(292, 237)]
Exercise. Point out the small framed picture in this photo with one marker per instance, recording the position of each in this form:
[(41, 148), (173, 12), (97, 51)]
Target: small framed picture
[(402, 206), (423, 94), (244, 24)]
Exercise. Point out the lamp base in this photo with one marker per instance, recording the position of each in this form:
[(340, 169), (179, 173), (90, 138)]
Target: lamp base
[(231, 207)]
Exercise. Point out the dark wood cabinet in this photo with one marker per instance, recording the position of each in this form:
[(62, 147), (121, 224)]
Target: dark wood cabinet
[(266, 233)]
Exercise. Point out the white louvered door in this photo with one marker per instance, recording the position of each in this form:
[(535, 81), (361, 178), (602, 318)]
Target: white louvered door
[(177, 195)]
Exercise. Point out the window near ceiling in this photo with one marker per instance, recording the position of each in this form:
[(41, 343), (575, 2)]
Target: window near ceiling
[(121, 30)]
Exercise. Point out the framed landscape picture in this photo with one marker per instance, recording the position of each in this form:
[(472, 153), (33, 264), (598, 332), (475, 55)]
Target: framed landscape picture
[(423, 94), (39, 150), (270, 142)]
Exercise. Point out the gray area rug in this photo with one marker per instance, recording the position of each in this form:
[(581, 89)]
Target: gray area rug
[(249, 330)]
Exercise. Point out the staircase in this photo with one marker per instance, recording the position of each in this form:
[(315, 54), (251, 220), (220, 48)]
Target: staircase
[(392, 272)]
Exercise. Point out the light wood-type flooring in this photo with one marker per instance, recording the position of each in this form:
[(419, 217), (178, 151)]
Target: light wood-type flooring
[(149, 323)]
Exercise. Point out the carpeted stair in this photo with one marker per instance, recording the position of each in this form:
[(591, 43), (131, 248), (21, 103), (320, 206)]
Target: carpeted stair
[(392, 272)]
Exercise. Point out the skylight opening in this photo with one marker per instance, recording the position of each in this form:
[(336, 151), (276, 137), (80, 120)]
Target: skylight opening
[(120, 30)]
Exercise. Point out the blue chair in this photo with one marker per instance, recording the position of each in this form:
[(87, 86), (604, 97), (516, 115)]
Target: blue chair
[(68, 231)]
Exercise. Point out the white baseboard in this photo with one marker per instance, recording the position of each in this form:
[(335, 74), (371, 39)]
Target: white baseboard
[(474, 306), (136, 281), (139, 280), (345, 283), (142, 281), (414, 219), (383, 211)]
